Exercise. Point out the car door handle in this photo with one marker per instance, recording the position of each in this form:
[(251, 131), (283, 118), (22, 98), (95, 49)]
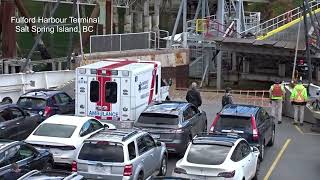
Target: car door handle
[(3, 128), (151, 155), (17, 123)]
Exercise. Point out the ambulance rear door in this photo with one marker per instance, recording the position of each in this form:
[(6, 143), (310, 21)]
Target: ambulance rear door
[(94, 96), (110, 101)]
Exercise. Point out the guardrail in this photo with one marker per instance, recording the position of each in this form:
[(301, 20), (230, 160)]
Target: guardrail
[(250, 97), (10, 66), (272, 24)]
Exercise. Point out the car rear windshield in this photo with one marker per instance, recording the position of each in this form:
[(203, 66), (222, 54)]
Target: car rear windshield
[(49, 175), (207, 154), (33, 103), (55, 130), (234, 122), (158, 119), (103, 152)]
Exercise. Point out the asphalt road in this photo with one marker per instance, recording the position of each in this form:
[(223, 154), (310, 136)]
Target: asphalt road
[(300, 158)]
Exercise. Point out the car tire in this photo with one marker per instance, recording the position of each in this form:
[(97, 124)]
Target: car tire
[(271, 142), (140, 176), (164, 166), (255, 177), (48, 166), (262, 151)]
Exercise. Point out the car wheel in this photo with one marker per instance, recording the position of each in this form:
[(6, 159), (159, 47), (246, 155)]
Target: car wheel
[(255, 177), (48, 166), (163, 167), (261, 156), (271, 142), (140, 177)]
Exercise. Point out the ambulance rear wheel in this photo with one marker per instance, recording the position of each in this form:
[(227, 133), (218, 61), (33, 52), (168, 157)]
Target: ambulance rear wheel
[(167, 98)]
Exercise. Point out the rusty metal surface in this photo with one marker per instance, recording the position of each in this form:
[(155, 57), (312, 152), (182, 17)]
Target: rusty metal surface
[(181, 73), (168, 57)]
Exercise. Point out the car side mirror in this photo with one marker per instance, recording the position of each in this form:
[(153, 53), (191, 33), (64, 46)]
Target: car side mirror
[(105, 126), (158, 143), (254, 149)]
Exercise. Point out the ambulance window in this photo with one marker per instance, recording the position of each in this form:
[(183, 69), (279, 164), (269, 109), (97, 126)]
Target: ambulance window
[(94, 91), (111, 92), (157, 82)]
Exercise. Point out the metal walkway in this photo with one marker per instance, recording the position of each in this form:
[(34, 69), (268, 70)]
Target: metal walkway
[(270, 28)]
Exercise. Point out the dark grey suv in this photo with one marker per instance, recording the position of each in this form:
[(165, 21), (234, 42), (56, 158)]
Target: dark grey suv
[(174, 123)]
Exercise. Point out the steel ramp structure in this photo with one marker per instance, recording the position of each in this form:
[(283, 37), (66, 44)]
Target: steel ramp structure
[(284, 26)]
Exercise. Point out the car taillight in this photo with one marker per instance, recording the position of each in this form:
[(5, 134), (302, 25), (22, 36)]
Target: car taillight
[(47, 111), (255, 132), (74, 166), (179, 171), (214, 123), (227, 174), (127, 170)]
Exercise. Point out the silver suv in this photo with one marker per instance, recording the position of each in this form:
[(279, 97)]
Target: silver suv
[(121, 154)]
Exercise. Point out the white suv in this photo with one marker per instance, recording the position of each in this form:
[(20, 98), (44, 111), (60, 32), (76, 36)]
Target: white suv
[(121, 154)]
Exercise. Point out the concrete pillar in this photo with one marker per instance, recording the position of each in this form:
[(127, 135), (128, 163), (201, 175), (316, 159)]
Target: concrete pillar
[(115, 20), (138, 22), (128, 22), (317, 73), (6, 68), (220, 16), (156, 20), (102, 6), (59, 66), (147, 18), (53, 66), (246, 66), (234, 62), (282, 70), (219, 70), (13, 69)]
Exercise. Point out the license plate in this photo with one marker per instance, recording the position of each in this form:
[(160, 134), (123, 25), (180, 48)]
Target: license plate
[(99, 169), (155, 136)]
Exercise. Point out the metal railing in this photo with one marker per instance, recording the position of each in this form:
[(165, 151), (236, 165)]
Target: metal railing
[(123, 42), (285, 18)]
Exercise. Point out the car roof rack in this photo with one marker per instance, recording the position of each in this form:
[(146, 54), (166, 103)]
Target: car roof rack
[(126, 134)]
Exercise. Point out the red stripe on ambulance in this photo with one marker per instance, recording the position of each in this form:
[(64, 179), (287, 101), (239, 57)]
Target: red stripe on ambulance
[(107, 78), (154, 76)]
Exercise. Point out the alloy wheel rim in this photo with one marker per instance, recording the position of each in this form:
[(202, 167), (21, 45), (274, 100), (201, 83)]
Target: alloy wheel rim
[(164, 166), (273, 135)]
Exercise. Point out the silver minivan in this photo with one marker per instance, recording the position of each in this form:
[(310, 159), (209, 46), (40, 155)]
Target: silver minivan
[(121, 155)]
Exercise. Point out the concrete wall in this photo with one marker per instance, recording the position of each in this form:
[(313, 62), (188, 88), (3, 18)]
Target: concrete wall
[(167, 57)]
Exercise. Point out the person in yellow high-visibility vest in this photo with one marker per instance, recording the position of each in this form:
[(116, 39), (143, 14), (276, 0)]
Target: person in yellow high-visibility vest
[(277, 93), (299, 98)]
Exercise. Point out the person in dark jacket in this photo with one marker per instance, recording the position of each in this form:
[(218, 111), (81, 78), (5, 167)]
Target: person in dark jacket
[(193, 96), (227, 98)]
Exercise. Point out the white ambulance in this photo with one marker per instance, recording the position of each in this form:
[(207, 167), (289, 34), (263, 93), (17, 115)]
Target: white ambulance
[(118, 90)]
